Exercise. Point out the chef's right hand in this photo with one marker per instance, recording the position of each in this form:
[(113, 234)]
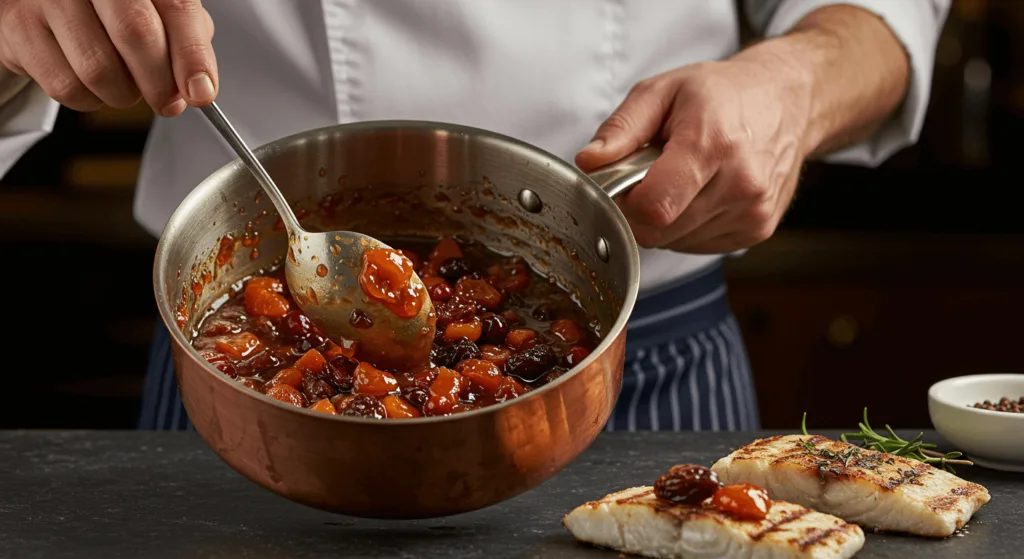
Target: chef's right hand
[(86, 54)]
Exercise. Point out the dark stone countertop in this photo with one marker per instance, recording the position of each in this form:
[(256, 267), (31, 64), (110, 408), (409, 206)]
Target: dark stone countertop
[(140, 494)]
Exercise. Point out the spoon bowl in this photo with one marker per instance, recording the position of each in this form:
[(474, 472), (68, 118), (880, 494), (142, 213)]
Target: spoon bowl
[(352, 286)]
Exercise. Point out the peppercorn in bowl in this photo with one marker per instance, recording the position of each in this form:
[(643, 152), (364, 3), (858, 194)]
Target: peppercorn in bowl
[(992, 433)]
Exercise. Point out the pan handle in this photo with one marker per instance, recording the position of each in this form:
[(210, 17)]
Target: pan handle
[(618, 177)]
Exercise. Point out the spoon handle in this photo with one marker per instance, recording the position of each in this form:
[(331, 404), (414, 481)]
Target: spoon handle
[(221, 123)]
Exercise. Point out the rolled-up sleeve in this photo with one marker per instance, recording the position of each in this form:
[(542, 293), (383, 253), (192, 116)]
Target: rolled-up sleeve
[(915, 23), (24, 120)]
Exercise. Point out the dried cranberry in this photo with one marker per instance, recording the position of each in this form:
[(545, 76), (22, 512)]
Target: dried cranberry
[(575, 355), (315, 388), (451, 354), (686, 484), (495, 329), (296, 325), (361, 405), (258, 363), (440, 292), (454, 268), (416, 395), (532, 363), (339, 372), (457, 309)]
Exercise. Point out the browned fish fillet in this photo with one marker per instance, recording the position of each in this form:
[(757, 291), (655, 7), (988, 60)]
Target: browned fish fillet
[(636, 521), (872, 489)]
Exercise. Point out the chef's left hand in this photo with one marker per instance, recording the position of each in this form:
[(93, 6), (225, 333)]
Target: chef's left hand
[(734, 134)]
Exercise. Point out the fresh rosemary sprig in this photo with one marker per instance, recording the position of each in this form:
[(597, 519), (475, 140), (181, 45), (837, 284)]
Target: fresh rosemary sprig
[(893, 444)]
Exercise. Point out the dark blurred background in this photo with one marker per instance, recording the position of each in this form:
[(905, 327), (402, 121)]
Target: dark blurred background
[(879, 282)]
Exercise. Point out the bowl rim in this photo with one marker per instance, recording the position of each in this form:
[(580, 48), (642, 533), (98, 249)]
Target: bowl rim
[(936, 393), (556, 164)]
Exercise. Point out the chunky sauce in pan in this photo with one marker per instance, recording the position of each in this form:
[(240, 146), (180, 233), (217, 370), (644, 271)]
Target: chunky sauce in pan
[(502, 330)]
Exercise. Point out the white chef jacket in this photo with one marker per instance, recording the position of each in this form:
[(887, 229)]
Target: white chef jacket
[(547, 72)]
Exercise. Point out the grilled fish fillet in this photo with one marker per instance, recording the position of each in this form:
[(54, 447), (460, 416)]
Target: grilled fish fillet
[(636, 521), (873, 489)]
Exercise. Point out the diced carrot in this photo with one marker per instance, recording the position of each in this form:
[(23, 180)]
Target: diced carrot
[(470, 330), (398, 407), (263, 302), (287, 394), (516, 338), (368, 379), (240, 345), (324, 406), (264, 283), (484, 376), (446, 248), (444, 392), (312, 362), (291, 377)]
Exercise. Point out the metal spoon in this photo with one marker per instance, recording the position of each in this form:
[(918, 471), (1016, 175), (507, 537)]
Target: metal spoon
[(322, 271)]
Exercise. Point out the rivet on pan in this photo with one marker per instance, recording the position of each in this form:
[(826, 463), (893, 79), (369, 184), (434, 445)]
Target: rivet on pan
[(529, 200), (602, 249)]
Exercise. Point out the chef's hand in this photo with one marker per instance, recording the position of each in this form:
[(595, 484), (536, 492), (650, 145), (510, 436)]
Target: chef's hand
[(733, 146), (86, 54), (736, 132)]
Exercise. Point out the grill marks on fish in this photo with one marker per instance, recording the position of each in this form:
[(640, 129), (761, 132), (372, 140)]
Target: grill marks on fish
[(636, 521), (874, 489), (773, 526)]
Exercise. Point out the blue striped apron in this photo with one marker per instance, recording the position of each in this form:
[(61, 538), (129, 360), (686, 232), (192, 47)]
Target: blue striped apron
[(686, 367)]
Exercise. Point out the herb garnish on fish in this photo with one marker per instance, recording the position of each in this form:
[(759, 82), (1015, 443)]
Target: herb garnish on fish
[(893, 444)]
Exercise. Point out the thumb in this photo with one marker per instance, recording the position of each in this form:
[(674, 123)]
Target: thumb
[(634, 123)]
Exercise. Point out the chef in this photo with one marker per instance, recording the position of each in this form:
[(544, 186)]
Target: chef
[(588, 80)]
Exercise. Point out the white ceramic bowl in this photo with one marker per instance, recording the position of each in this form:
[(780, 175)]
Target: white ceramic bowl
[(991, 439)]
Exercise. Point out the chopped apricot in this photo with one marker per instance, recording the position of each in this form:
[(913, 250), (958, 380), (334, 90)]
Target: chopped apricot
[(495, 354), (263, 302), (479, 291), (508, 389), (240, 345), (470, 330), (368, 379), (517, 338), (446, 248), (568, 331), (324, 406), (484, 377), (514, 284), (425, 378), (444, 392), (265, 283), (289, 376), (346, 349), (412, 256), (287, 394), (386, 276), (312, 362), (398, 407)]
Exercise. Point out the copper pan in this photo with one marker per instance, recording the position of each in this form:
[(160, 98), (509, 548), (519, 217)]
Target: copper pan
[(391, 179)]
